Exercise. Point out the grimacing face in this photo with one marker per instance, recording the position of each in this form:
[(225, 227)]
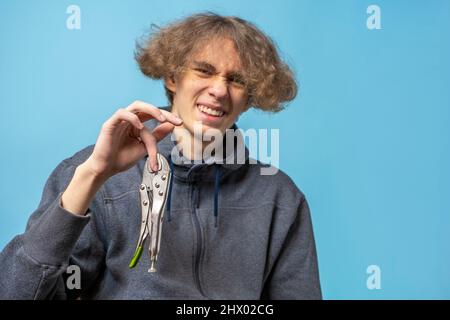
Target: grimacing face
[(211, 90)]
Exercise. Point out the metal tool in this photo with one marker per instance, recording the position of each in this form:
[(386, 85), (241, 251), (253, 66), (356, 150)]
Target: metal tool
[(153, 192)]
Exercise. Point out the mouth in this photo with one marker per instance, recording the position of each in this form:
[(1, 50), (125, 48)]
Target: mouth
[(210, 112)]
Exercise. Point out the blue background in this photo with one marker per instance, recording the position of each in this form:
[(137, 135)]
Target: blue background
[(367, 139)]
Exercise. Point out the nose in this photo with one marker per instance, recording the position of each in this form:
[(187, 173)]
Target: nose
[(218, 87)]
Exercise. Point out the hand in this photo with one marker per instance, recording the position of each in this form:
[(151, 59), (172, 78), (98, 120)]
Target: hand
[(124, 140)]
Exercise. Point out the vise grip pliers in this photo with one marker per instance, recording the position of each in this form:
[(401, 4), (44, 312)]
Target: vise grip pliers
[(153, 193)]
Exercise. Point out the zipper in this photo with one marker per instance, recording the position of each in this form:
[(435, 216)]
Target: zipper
[(198, 251)]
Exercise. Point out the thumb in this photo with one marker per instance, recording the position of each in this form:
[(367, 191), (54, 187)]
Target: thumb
[(162, 130)]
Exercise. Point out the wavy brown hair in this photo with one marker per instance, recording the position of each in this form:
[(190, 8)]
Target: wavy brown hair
[(167, 50)]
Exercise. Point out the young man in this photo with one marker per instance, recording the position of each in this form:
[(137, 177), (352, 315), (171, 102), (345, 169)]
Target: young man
[(230, 232)]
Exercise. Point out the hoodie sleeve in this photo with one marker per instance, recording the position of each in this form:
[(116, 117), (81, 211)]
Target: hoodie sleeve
[(295, 273), (34, 264)]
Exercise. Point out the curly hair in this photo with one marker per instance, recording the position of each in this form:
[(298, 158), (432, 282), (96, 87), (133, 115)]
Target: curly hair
[(269, 81)]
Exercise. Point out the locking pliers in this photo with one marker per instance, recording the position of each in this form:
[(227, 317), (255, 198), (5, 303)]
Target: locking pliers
[(153, 193)]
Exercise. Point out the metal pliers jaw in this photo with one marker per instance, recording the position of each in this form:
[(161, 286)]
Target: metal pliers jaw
[(153, 192)]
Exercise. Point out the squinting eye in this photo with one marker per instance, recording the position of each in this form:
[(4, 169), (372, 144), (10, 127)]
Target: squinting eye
[(204, 71), (238, 81)]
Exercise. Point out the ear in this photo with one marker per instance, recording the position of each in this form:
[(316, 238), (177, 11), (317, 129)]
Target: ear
[(170, 84)]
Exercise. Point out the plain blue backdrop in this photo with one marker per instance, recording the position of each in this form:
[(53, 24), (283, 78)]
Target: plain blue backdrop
[(367, 138)]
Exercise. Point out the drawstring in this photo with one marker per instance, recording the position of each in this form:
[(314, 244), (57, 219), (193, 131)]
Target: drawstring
[(216, 194), (169, 196)]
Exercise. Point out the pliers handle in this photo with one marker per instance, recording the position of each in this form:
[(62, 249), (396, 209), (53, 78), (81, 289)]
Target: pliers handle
[(153, 193)]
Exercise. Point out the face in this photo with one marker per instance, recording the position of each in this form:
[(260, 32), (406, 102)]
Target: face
[(211, 90)]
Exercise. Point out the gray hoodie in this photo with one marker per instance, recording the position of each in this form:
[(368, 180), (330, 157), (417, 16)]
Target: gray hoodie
[(228, 233)]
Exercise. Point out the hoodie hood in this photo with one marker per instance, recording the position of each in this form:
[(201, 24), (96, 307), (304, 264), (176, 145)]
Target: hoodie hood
[(189, 170), (211, 169)]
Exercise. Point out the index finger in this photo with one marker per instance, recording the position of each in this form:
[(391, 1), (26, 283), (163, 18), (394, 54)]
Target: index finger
[(146, 111)]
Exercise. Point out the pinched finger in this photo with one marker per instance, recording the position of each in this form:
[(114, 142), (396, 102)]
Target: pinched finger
[(150, 144)]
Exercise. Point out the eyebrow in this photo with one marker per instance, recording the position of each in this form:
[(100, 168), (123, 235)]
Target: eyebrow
[(209, 67)]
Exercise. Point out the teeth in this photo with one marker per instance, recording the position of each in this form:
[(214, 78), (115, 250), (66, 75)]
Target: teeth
[(210, 111)]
